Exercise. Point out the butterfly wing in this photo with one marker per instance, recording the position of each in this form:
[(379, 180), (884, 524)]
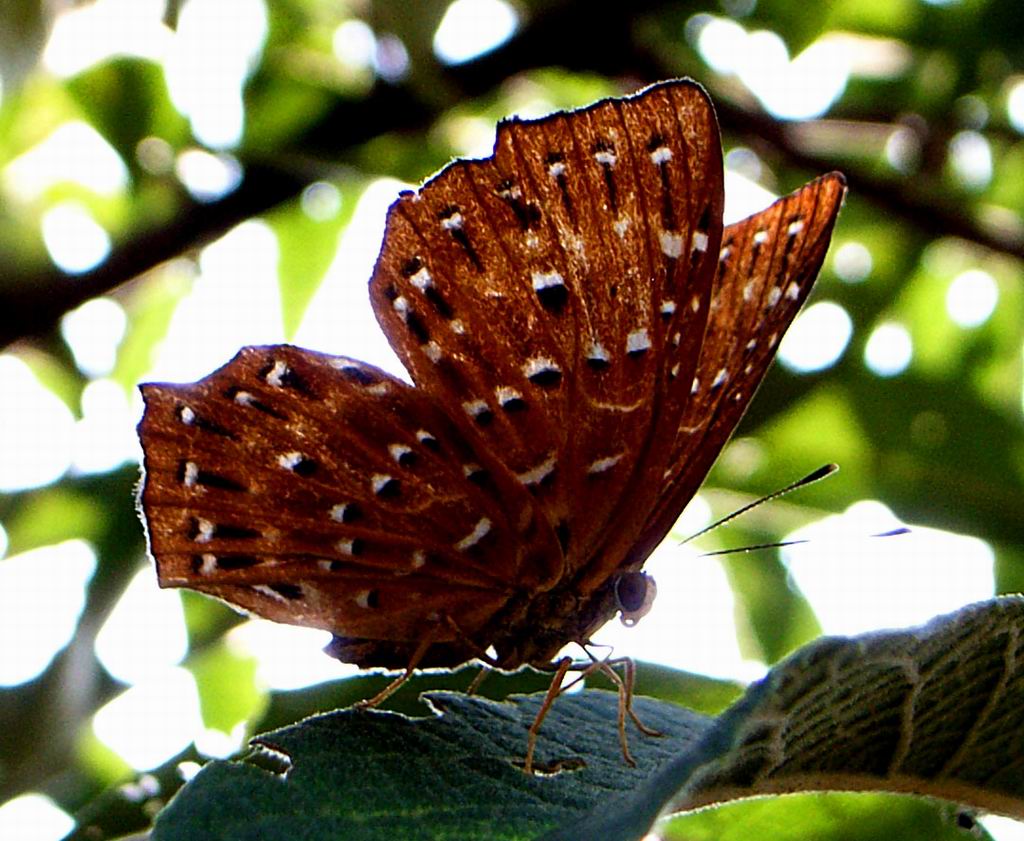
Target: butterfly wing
[(767, 266), (548, 294), (553, 304), (321, 491)]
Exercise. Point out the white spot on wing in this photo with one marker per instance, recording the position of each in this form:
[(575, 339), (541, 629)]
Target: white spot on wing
[(774, 295), (208, 565), (269, 592), (638, 341), (401, 305), (191, 474), (422, 279), (668, 307), (289, 461), (795, 227), (379, 481), (720, 378), (475, 408), (275, 376), (602, 465), (338, 512), (661, 155), (606, 157), (760, 237), (479, 532), (187, 416), (536, 475), (556, 168), (793, 291), (597, 353), (344, 546), (545, 280), (457, 326), (620, 226), (539, 364), (243, 398), (700, 241), (671, 243), (433, 351), (453, 222), (398, 450), (205, 529), (506, 394)]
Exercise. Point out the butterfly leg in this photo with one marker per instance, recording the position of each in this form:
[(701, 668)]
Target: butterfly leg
[(554, 690), (626, 685), (482, 675), (399, 681), (487, 662), (625, 688)]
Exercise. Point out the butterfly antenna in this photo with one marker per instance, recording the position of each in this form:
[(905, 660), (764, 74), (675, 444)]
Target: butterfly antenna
[(782, 544), (809, 479)]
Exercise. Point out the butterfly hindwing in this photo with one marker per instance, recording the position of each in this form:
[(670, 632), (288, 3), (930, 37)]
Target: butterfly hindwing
[(299, 482)]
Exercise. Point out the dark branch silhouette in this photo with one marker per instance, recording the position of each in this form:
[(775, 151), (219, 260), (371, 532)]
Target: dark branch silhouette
[(32, 305)]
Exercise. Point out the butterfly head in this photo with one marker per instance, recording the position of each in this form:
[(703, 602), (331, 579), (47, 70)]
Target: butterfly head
[(634, 596)]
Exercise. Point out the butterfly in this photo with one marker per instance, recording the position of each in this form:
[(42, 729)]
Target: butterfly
[(583, 335)]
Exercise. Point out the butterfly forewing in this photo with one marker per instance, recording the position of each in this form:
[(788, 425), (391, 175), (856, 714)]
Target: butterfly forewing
[(535, 294), (323, 491)]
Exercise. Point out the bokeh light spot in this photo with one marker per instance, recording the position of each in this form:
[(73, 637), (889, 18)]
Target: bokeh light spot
[(471, 28), (153, 721), (972, 297), (817, 338), (75, 241), (852, 262), (889, 350), (42, 594)]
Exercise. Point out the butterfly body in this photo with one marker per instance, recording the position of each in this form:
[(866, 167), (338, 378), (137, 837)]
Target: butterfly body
[(583, 335)]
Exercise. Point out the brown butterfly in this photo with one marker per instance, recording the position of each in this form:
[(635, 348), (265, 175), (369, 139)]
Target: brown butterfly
[(583, 337)]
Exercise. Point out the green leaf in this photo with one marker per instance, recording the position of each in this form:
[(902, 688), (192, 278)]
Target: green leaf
[(367, 775), (106, 92), (228, 694), (835, 816), (935, 711), (307, 247)]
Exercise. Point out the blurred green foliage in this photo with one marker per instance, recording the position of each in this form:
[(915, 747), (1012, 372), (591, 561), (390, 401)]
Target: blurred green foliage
[(940, 444)]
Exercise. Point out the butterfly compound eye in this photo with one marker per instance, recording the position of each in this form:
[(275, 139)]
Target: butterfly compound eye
[(634, 594)]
